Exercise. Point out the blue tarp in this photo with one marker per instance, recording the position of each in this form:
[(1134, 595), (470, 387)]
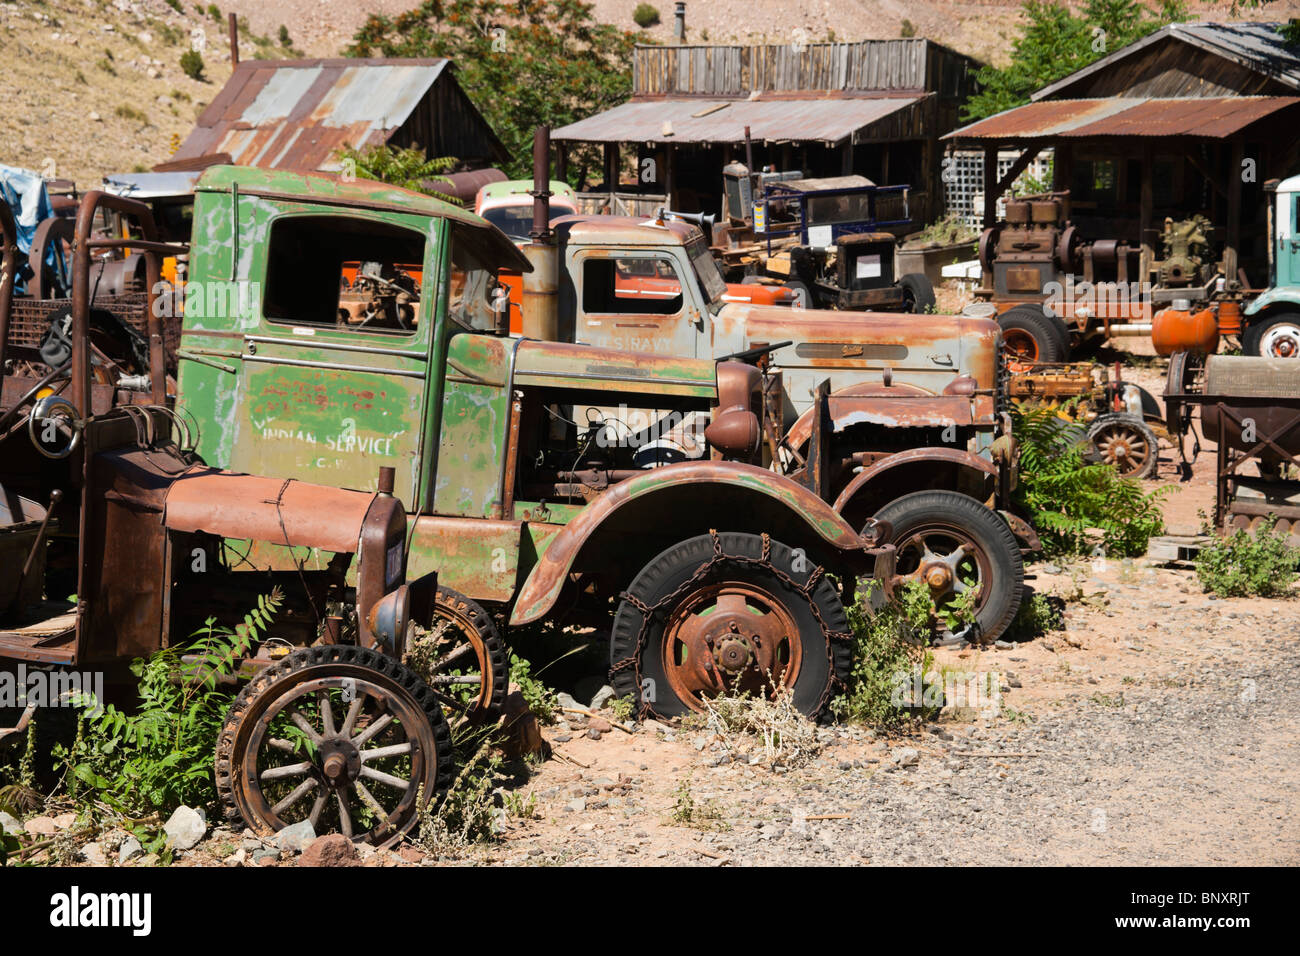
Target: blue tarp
[(24, 191)]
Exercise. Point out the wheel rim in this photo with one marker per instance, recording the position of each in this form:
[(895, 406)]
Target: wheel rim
[(949, 562), (731, 638), (1280, 341), (459, 666), (1020, 344), (346, 753), (1123, 446)]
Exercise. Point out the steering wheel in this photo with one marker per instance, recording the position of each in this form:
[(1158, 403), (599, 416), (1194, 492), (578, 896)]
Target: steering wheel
[(54, 418)]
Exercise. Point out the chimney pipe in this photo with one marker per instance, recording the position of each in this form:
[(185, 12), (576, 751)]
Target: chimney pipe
[(679, 22), (540, 314), (233, 25)]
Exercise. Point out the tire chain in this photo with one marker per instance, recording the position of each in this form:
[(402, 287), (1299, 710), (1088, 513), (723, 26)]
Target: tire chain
[(764, 561)]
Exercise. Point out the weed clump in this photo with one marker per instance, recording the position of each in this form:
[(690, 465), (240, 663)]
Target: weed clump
[(1259, 564)]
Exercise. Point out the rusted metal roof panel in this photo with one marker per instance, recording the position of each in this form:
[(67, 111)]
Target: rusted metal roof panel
[(296, 114), (1206, 118), (770, 120)]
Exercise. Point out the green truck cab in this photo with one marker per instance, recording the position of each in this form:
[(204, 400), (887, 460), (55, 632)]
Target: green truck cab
[(332, 327)]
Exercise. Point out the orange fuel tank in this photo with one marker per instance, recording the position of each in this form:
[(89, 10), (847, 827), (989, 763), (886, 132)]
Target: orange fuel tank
[(1177, 330)]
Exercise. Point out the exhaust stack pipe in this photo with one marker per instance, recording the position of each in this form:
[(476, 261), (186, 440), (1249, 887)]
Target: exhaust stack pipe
[(540, 307), (679, 22)]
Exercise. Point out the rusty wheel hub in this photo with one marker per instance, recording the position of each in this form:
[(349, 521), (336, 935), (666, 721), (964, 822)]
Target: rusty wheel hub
[(948, 561), (1020, 345), (730, 638)]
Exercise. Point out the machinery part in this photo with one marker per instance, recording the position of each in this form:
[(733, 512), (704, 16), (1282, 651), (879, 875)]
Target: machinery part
[(1032, 335), (337, 734), (1186, 371), (51, 281), (1174, 330), (729, 613), (43, 426), (1243, 376), (1125, 441), (918, 293), (469, 668), (1274, 336), (802, 296), (953, 543)]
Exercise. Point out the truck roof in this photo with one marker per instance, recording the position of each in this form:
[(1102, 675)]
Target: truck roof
[(626, 230), (361, 194), (522, 187)]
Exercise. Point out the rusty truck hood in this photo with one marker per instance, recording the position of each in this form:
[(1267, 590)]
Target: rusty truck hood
[(565, 365), (917, 348)]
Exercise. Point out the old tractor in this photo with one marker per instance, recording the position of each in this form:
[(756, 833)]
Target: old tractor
[(1120, 422), (117, 541), (908, 428), (826, 240), (709, 572)]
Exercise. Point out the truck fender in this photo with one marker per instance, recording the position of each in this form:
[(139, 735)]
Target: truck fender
[(785, 507), (799, 433), (1282, 296), (978, 473)]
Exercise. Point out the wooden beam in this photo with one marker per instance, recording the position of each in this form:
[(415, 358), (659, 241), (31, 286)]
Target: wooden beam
[(1214, 183), (990, 186), (1232, 245), (1019, 166), (1146, 201)]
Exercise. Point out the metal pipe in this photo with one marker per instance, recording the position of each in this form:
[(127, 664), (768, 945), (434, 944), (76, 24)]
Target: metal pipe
[(679, 22), (233, 26), (8, 274), (541, 191), (539, 309)]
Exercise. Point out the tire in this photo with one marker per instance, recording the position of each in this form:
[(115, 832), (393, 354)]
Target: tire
[(1274, 336), (1034, 335), (937, 515), (476, 626), (408, 698), (812, 628), (1125, 441), (804, 299), (918, 293)]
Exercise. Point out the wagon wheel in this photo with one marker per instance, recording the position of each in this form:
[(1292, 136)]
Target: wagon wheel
[(1126, 442), (338, 735), (462, 658)]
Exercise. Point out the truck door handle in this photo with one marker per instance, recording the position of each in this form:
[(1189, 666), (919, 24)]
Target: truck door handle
[(941, 359)]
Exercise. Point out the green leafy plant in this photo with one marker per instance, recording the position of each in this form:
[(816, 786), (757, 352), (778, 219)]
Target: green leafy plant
[(907, 29), (468, 812), (689, 812), (623, 707), (645, 15), (889, 648), (176, 5), (285, 39), (1079, 507), (159, 756), (541, 700), (1038, 615), (192, 64), (407, 167), (522, 63), (1259, 564), (1055, 42), (214, 12)]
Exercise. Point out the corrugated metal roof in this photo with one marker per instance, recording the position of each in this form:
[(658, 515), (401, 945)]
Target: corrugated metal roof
[(780, 119), (1258, 46), (296, 114), (1207, 118)]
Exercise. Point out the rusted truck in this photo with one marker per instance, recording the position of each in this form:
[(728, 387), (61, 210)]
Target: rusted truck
[(879, 414), (116, 542), (715, 573)]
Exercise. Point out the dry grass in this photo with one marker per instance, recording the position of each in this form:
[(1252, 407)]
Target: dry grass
[(773, 730)]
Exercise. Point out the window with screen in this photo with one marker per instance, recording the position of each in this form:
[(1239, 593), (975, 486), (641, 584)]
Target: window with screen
[(343, 273), (645, 285)]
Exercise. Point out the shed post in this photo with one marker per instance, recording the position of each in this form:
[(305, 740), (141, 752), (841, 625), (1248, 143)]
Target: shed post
[(990, 186), (1232, 245), (1146, 201)]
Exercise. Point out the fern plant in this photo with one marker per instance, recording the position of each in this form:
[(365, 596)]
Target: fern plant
[(1078, 506), (159, 756), (405, 167)]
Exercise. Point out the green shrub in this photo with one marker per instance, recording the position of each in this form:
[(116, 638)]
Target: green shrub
[(1037, 616), (645, 15), (541, 700), (160, 756), (131, 113), (1244, 565), (285, 39), (1079, 507), (176, 5), (907, 29), (214, 12), (192, 64), (889, 648)]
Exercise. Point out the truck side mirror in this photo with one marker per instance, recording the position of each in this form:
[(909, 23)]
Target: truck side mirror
[(501, 310)]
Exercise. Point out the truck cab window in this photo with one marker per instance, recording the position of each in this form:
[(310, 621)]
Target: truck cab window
[(646, 285), (343, 273)]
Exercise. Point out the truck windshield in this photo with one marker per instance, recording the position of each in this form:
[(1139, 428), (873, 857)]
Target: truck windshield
[(706, 268), (517, 221)]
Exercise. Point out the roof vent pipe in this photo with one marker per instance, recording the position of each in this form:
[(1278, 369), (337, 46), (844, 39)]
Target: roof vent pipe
[(679, 22)]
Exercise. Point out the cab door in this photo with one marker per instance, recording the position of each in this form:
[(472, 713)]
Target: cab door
[(637, 300), (333, 375)]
